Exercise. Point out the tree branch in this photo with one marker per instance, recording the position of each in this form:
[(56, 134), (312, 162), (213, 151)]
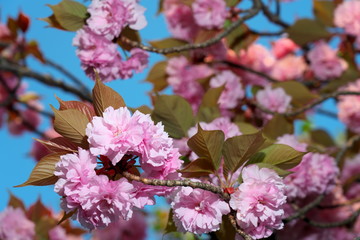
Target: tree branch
[(302, 211), (237, 229), (250, 13), (274, 18), (308, 106), (174, 183), (45, 79), (247, 69), (347, 221), (68, 74)]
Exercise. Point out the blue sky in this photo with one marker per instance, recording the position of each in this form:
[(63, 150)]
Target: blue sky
[(56, 45)]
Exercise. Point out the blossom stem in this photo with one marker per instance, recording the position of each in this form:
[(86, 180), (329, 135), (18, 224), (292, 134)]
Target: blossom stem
[(252, 12), (237, 229), (174, 183)]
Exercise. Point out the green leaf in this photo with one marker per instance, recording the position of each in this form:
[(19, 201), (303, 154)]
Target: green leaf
[(246, 128), (307, 30), (198, 168), (66, 216), (175, 113), (279, 171), (71, 124), (277, 127), (211, 97), (232, 3), (237, 150), (208, 145), (321, 137), (324, 11), (43, 172), (279, 155), (143, 109), (53, 22), (350, 75), (240, 38), (69, 14), (170, 226), (300, 95), (105, 97), (207, 114), (158, 76)]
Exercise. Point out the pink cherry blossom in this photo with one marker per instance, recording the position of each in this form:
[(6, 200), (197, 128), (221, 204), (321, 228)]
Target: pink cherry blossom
[(198, 211), (259, 201), (349, 108), (283, 47), (133, 229), (209, 13), (325, 63), (233, 90), (290, 67), (180, 20), (109, 17), (97, 52), (114, 134), (350, 169), (137, 62), (258, 58), (347, 16), (25, 120), (59, 233), (273, 99), (292, 141), (14, 225), (308, 178), (183, 76), (222, 123)]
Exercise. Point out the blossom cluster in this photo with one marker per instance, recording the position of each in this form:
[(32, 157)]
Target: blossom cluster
[(95, 192), (95, 41)]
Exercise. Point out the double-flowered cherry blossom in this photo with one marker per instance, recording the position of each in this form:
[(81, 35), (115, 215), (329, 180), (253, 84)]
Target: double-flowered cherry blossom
[(347, 16), (109, 17), (209, 13), (349, 107), (198, 211), (14, 225), (307, 177), (96, 200), (273, 99), (325, 63), (259, 201)]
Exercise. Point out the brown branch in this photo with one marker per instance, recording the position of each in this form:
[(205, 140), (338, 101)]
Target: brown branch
[(247, 69), (302, 211), (68, 74), (343, 204), (308, 106), (45, 79), (266, 34), (174, 183), (344, 222), (237, 229), (250, 13), (274, 18)]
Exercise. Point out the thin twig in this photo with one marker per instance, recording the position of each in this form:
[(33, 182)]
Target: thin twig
[(308, 106), (237, 229), (266, 34), (174, 183), (42, 112), (45, 79), (247, 69), (344, 204), (250, 13), (326, 113), (302, 211), (274, 18), (344, 222), (68, 74)]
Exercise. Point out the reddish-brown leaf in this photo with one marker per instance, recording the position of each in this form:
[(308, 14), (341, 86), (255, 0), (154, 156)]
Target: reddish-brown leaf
[(85, 108), (23, 22), (105, 97), (59, 144)]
